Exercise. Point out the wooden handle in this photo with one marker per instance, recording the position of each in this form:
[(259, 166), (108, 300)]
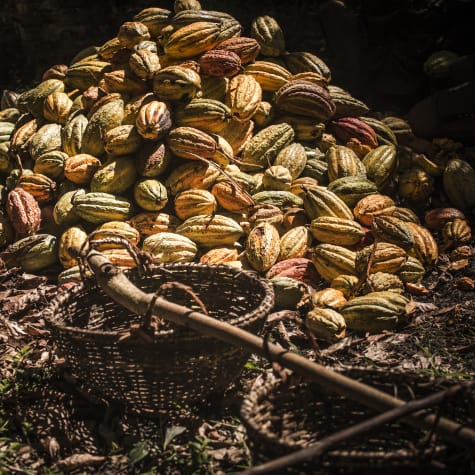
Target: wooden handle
[(121, 290)]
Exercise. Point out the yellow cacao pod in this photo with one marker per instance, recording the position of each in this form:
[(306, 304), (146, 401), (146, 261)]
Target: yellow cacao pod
[(211, 230), (326, 323), (263, 246), (193, 202), (170, 247), (76, 237)]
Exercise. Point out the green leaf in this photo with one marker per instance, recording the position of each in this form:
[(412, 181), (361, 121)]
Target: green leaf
[(171, 433), (139, 452)]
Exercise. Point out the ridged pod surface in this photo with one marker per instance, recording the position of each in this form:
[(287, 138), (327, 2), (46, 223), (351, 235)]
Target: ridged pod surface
[(415, 185), (114, 229), (387, 258), (292, 157), (23, 211), (46, 139), (263, 148), (346, 284), (246, 48), (185, 17), (193, 202), (243, 97), (39, 256), (326, 323), (373, 205), (72, 133), (382, 281), (305, 98), (331, 261), (168, 247), (269, 35), (345, 104), (384, 134), (393, 230), (150, 194), (342, 162), (101, 207), (333, 230), (56, 107), (269, 75), (351, 189), (191, 143), (115, 176), (425, 247), (211, 231), (219, 63), (347, 128), (374, 312), (192, 175), (73, 236), (303, 61), (299, 268), (231, 197), (437, 218), (320, 201), (148, 223), (380, 164), (281, 199), (32, 100), (263, 246), (144, 64), (219, 255), (176, 83), (288, 292), (192, 40), (154, 19), (122, 140), (295, 243), (456, 232), (123, 81), (41, 187), (80, 168), (205, 114), (412, 270), (107, 116), (153, 120), (51, 164), (328, 298)]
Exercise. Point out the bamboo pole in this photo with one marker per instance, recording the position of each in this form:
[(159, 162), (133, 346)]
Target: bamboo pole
[(121, 290)]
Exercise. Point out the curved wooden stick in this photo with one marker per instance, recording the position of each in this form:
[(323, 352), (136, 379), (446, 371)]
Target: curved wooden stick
[(121, 290)]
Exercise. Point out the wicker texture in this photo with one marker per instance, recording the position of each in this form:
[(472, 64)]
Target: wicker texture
[(281, 419), (179, 366)]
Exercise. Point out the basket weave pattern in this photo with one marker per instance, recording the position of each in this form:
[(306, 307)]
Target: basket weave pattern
[(180, 366), (281, 419)]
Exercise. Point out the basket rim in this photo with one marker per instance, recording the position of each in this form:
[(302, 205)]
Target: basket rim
[(264, 307)]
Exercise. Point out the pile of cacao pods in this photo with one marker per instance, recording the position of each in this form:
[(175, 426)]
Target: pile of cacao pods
[(195, 143)]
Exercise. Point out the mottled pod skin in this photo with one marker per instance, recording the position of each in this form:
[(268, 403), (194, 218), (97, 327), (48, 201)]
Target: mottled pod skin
[(24, 212)]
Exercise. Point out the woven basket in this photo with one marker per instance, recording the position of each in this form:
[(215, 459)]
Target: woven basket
[(281, 419), (178, 366)]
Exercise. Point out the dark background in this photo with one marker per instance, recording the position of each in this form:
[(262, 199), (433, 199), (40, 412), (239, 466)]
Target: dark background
[(35, 34)]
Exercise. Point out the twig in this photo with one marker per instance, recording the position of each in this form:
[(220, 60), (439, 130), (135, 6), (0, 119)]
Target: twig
[(121, 290), (316, 450)]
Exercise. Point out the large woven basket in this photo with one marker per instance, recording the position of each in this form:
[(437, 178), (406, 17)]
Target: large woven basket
[(177, 366), (282, 418)]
